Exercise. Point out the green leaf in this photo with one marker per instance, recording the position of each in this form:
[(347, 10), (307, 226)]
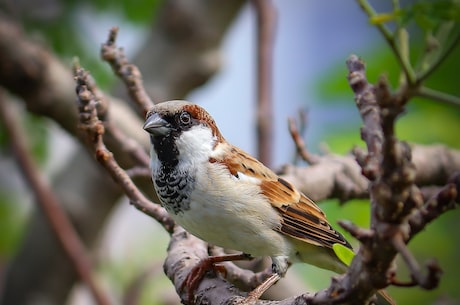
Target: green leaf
[(12, 221), (385, 17), (345, 254)]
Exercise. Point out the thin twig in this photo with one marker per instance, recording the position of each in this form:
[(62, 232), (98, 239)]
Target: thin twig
[(266, 15), (129, 73), (434, 66), (93, 130), (431, 280), (47, 201), (438, 96), (301, 148), (132, 147), (138, 172)]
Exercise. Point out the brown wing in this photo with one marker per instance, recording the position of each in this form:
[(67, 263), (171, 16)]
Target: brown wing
[(301, 218)]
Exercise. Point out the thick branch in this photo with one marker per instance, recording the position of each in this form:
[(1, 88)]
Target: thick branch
[(340, 177)]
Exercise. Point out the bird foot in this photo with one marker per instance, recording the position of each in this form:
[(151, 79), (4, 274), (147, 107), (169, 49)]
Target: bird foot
[(195, 276)]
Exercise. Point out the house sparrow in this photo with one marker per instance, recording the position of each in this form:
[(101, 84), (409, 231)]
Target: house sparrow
[(226, 197)]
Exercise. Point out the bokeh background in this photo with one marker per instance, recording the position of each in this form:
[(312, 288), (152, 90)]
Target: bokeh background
[(313, 40)]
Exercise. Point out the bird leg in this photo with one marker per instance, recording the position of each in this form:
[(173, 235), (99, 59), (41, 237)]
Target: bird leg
[(195, 276)]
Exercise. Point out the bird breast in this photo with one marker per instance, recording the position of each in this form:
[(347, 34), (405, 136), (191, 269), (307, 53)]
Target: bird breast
[(230, 212)]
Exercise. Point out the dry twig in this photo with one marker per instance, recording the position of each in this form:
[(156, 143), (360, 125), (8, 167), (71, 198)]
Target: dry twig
[(92, 131), (129, 73), (301, 148)]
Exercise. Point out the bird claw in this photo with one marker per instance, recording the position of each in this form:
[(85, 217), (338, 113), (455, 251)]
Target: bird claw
[(193, 279)]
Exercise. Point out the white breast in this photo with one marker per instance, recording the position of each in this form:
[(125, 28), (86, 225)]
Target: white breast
[(231, 213)]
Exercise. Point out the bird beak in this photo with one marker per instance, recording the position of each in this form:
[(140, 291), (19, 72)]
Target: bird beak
[(156, 126)]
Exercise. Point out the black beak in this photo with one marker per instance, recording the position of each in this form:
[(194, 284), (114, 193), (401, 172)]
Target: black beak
[(156, 125)]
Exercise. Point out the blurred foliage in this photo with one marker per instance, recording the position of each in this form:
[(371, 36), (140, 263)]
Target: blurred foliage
[(135, 11), (11, 224), (37, 132), (65, 32), (139, 268), (427, 15)]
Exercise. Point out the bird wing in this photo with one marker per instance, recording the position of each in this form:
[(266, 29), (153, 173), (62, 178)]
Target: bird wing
[(301, 218)]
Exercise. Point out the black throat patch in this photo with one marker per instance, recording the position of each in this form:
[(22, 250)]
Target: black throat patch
[(173, 185)]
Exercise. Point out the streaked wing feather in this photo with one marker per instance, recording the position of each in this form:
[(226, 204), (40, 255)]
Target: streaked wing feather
[(301, 218)]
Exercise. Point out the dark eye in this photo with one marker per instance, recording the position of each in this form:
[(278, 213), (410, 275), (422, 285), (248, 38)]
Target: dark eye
[(185, 118)]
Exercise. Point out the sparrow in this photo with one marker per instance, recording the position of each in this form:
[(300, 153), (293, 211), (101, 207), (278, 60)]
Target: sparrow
[(226, 197)]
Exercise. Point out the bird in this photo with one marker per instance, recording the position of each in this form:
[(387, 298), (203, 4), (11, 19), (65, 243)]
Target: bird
[(224, 196)]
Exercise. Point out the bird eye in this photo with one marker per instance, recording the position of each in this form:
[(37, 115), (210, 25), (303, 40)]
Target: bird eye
[(185, 118)]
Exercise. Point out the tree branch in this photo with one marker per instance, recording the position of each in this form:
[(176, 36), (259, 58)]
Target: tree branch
[(302, 151), (265, 13), (93, 130), (440, 59), (129, 73), (439, 96), (49, 204)]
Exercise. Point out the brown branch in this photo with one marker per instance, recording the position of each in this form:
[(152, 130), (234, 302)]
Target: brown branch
[(129, 73), (340, 176), (266, 16), (368, 108), (301, 148), (184, 252), (92, 131), (48, 203), (132, 147), (129, 145), (181, 53), (441, 202), (429, 281)]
